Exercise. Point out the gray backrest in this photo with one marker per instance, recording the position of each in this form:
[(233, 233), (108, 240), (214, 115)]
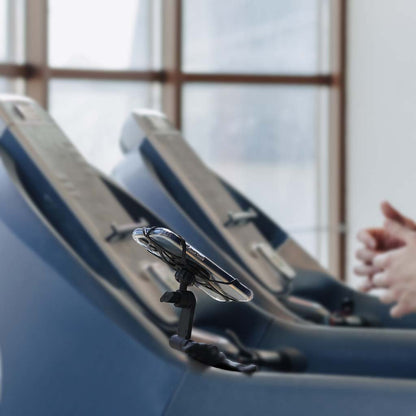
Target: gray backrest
[(197, 188), (62, 177)]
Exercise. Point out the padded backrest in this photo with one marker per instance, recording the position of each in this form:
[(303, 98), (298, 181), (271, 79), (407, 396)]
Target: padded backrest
[(78, 203), (202, 195)]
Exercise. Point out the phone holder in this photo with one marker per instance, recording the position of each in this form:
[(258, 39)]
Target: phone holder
[(192, 268), (207, 354)]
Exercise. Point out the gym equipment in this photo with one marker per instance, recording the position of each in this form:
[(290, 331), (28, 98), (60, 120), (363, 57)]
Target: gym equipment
[(195, 269), (192, 268), (172, 249), (163, 171), (82, 330)]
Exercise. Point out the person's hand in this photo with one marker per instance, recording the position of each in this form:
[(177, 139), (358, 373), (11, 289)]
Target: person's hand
[(376, 241), (397, 271)]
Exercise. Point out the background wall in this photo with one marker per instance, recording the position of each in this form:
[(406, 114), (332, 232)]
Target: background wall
[(381, 123)]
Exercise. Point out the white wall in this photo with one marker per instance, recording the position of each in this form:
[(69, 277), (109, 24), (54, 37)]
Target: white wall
[(381, 118)]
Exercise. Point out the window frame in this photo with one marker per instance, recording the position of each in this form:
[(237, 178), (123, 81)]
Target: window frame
[(37, 73)]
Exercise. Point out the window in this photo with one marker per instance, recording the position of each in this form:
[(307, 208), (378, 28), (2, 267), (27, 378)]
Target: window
[(246, 36), (119, 36), (11, 31), (257, 86), (93, 111), (12, 44), (265, 140), (11, 86), (118, 48)]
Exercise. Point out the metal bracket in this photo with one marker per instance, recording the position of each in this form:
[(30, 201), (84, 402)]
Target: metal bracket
[(240, 217), (120, 232), (275, 260)]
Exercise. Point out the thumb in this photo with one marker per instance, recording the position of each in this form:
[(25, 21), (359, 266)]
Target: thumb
[(392, 213), (399, 231)]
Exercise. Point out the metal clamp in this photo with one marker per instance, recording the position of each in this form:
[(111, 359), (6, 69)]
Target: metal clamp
[(285, 272), (119, 232), (241, 217)]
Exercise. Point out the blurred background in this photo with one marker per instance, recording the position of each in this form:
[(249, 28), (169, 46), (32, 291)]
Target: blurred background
[(307, 106)]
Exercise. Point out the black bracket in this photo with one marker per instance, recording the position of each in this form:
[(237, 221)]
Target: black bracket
[(204, 353), (284, 359), (185, 300)]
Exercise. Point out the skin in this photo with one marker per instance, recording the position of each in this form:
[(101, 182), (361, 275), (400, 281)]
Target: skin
[(388, 260)]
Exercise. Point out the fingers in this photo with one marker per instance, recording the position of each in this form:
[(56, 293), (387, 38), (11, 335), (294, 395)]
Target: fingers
[(399, 231), (405, 305), (365, 255), (366, 270), (393, 294), (393, 214), (388, 297), (388, 265), (383, 260), (366, 286), (381, 280), (389, 261), (367, 239), (378, 239), (398, 311)]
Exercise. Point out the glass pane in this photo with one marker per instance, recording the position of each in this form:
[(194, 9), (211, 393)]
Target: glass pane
[(11, 30), (11, 86), (92, 114), (266, 140), (252, 36), (112, 34), (5, 86)]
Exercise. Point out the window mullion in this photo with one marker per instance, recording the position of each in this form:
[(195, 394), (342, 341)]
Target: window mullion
[(171, 59), (37, 50)]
